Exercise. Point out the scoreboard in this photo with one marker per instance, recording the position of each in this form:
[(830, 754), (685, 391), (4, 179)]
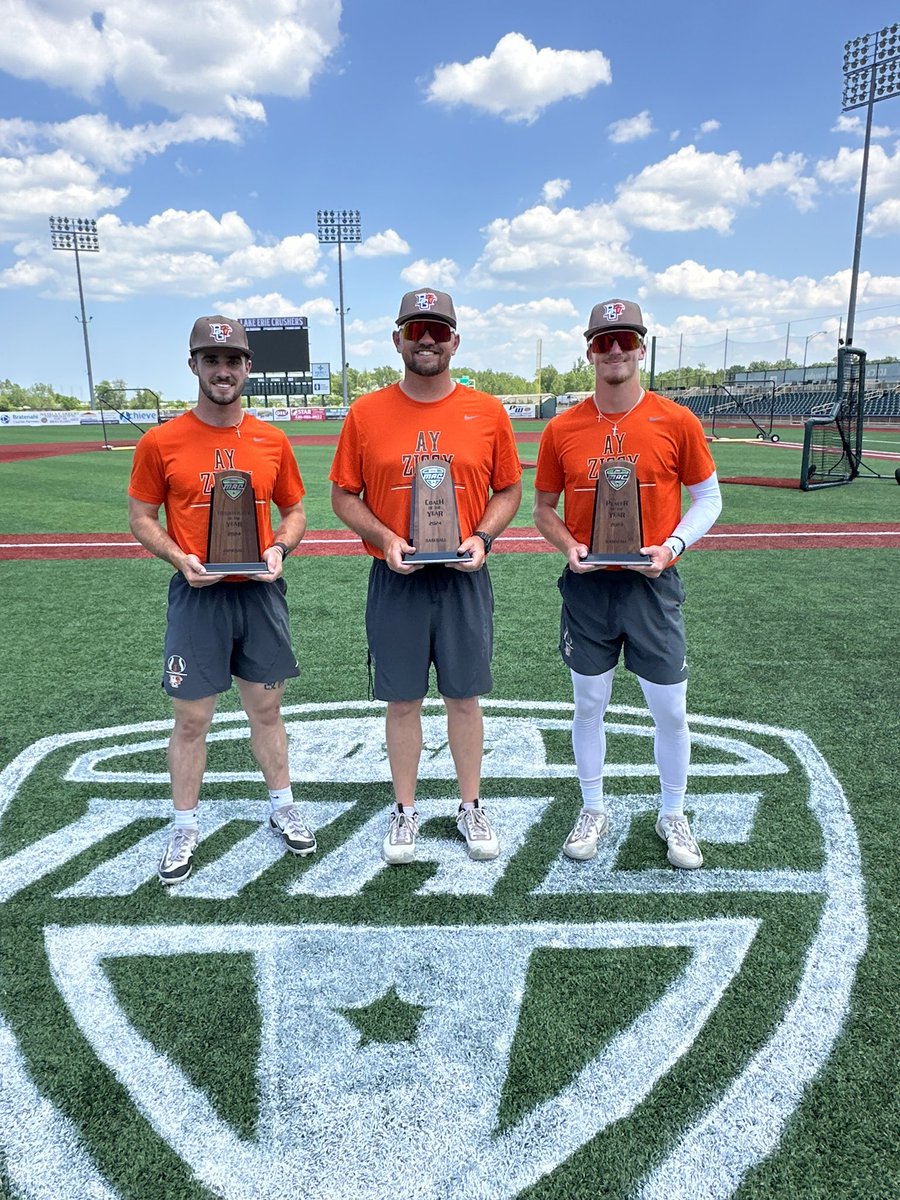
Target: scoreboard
[(278, 344)]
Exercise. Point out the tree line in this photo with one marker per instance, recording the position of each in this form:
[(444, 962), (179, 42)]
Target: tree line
[(579, 378)]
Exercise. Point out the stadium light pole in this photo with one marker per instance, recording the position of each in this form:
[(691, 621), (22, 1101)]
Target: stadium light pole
[(340, 225), (870, 74), (78, 234), (806, 347)]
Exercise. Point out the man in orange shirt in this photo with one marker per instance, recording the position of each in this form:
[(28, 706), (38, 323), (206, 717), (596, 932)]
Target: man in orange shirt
[(638, 608), (419, 615), (219, 626)]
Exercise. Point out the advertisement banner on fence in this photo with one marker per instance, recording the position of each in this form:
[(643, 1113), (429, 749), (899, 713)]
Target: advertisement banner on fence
[(336, 414), (521, 410), (52, 417), (307, 414)]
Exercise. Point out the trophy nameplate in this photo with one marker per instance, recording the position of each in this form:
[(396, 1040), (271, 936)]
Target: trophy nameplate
[(433, 516), (233, 544), (617, 533)]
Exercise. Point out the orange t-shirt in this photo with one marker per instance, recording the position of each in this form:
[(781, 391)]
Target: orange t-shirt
[(174, 465), (387, 435), (664, 440)]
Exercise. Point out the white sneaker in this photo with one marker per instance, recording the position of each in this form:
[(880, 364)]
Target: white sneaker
[(298, 837), (176, 862), (683, 850), (587, 831), (399, 845), (473, 825)]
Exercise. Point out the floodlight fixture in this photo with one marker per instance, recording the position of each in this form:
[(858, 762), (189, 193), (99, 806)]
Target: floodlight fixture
[(78, 234), (338, 226), (871, 73)]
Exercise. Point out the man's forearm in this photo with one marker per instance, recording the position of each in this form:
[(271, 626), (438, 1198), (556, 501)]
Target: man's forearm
[(500, 509), (153, 537)]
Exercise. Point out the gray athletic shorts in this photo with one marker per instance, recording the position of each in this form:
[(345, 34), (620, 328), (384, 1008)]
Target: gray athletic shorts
[(436, 615), (226, 629), (603, 611)]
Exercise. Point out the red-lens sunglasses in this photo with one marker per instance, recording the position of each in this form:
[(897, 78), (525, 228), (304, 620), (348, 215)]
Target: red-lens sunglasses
[(414, 331), (625, 339)]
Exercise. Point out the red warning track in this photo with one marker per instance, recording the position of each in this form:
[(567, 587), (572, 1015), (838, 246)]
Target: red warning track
[(876, 536)]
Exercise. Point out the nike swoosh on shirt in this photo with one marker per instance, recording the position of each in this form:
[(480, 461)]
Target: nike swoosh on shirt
[(470, 416)]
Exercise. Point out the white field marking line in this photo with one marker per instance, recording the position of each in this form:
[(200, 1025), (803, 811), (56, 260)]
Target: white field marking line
[(837, 532), (504, 537), (137, 545)]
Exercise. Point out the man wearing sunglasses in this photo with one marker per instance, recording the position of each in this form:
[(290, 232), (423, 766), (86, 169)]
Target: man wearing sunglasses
[(423, 615), (638, 609)]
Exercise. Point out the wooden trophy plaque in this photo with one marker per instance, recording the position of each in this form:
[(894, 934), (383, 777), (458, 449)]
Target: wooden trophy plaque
[(617, 534), (433, 516), (233, 544)]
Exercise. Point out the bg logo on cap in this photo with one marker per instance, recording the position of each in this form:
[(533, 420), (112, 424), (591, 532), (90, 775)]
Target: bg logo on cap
[(612, 312), (425, 300), (219, 332)]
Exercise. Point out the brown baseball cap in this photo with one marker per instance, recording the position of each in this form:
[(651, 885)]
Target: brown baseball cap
[(219, 333), (615, 314), (425, 304)]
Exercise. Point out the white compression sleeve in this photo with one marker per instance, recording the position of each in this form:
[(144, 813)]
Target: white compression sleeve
[(671, 740), (591, 694), (705, 506)]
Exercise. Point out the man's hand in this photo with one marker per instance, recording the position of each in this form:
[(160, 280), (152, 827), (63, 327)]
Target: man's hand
[(196, 574), (575, 556), (273, 558), (394, 550), (661, 557), (475, 546)]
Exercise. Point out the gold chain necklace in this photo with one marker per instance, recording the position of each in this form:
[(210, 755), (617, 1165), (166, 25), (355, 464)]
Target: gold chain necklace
[(621, 417)]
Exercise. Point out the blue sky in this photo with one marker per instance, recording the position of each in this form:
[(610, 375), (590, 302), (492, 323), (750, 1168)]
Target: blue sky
[(529, 158)]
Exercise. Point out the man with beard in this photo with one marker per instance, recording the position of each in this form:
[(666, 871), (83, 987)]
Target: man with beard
[(418, 615), (220, 626)]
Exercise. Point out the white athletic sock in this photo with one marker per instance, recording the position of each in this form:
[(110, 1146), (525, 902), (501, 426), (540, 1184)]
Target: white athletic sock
[(187, 818), (671, 741), (279, 797)]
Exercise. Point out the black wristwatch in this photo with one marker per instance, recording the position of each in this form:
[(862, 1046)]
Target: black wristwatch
[(486, 538)]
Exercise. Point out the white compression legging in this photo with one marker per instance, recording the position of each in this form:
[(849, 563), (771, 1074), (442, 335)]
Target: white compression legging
[(671, 741)]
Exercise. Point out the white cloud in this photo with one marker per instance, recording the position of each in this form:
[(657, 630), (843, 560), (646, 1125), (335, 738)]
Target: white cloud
[(709, 126), (44, 184), (381, 244), (224, 54), (176, 230), (554, 190), (568, 248), (175, 253), (884, 219), (845, 170), (294, 255), (694, 190), (857, 126), (517, 81), (92, 138), (631, 129), (440, 273), (274, 304), (746, 293)]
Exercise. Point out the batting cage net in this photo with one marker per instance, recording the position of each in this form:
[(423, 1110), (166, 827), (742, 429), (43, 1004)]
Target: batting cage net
[(745, 408), (832, 441)]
